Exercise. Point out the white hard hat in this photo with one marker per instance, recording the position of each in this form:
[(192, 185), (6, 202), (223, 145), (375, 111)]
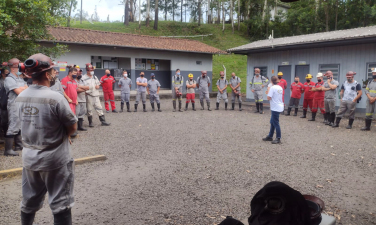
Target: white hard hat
[(319, 75), (373, 70)]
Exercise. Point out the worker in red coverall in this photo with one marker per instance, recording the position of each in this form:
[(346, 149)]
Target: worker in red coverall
[(70, 87), (283, 83), (308, 95), (107, 82), (318, 98), (296, 94)]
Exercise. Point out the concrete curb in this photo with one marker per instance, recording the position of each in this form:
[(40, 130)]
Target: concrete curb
[(18, 171)]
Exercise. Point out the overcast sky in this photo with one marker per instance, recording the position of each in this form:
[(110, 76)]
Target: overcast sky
[(104, 8)]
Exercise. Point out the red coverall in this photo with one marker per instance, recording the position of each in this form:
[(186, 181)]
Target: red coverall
[(283, 84), (318, 99), (308, 95), (107, 82), (70, 88)]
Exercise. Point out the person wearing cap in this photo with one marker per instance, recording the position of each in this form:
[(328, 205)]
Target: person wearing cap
[(330, 88), (153, 92), (190, 85), (125, 84), (142, 83), (235, 91), (177, 87), (47, 121), (318, 97), (81, 99), (351, 92), (107, 82), (14, 85), (370, 103), (308, 95), (203, 84), (257, 84), (283, 83), (70, 87), (296, 94), (222, 90), (92, 96)]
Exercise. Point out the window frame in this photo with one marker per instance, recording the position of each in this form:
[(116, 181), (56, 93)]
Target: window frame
[(368, 68), (329, 64)]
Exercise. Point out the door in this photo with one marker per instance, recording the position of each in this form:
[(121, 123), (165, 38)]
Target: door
[(286, 70), (301, 71)]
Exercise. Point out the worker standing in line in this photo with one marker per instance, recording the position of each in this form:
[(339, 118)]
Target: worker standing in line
[(371, 101), (257, 84), (222, 90), (107, 82), (283, 84), (308, 95), (330, 88), (81, 99), (318, 98), (142, 83), (203, 84), (177, 89), (296, 94), (153, 92), (235, 82), (125, 84), (190, 85)]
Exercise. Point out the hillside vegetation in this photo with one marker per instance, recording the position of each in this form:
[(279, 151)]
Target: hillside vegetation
[(221, 40)]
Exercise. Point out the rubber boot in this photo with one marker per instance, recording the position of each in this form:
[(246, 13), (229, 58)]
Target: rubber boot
[(186, 106), (74, 134), (193, 106), (296, 112), (63, 218), (152, 107), (225, 106), (128, 107), (27, 218), (288, 111), (202, 105), (366, 128), (174, 105), (313, 117), (180, 107), (257, 108), (233, 106), (8, 151), (135, 107), (240, 107), (328, 118), (122, 107), (208, 103), (90, 118), (332, 118), (304, 114), (261, 108), (325, 118), (144, 107), (338, 120), (114, 111), (159, 107), (351, 121), (216, 106), (18, 145), (103, 121), (80, 124)]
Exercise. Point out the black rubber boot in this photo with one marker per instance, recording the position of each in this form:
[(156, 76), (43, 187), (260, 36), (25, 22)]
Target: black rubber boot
[(27, 218), (351, 121), (325, 118), (114, 111), (261, 108), (313, 117), (122, 107), (18, 145), (80, 124), (180, 107), (208, 103), (276, 141), (128, 110), (366, 128), (338, 120), (257, 108), (328, 118), (63, 218), (233, 106), (135, 107), (186, 106), (74, 134), (159, 107), (174, 105), (193, 106), (240, 107), (103, 121), (8, 151), (296, 112), (226, 106), (216, 106), (152, 107), (144, 107), (90, 118), (288, 111), (202, 105), (304, 114)]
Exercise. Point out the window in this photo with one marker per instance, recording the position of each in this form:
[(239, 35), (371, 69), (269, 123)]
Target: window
[(198, 62), (332, 67), (369, 70), (263, 70)]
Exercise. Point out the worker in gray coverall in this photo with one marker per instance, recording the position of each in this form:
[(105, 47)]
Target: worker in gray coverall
[(14, 85), (203, 84), (81, 99), (46, 122), (222, 90), (371, 101), (125, 84), (177, 86), (153, 92), (142, 83), (330, 88), (257, 84), (235, 86)]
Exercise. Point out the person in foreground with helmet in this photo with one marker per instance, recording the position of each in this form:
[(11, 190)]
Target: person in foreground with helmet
[(330, 88), (296, 94), (318, 97), (125, 84), (371, 99), (235, 82), (276, 106), (308, 95), (92, 96), (351, 92), (46, 122), (177, 89), (153, 92), (14, 85), (222, 90), (257, 84), (283, 83), (190, 85), (203, 84)]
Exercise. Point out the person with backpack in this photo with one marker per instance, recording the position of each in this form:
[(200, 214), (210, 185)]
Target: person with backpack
[(14, 85), (190, 85), (177, 89), (257, 84), (330, 88), (222, 90), (203, 84), (235, 93), (153, 92), (351, 92), (371, 101)]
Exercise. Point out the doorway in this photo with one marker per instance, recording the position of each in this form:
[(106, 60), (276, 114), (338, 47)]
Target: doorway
[(301, 71)]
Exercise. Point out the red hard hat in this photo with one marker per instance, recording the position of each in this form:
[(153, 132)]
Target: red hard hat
[(89, 67), (35, 64), (350, 74)]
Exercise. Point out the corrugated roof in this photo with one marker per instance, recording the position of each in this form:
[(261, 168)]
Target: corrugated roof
[(324, 37), (94, 37)]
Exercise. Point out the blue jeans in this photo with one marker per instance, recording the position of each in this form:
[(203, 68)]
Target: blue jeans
[(274, 124)]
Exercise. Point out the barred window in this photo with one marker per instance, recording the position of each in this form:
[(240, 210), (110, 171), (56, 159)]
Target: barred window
[(369, 70), (332, 67), (263, 71)]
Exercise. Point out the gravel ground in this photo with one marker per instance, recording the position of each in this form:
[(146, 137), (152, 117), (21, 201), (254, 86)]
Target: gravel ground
[(196, 167)]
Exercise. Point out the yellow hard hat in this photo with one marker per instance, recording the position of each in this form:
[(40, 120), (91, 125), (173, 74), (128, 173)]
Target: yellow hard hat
[(280, 74), (309, 76), (190, 75)]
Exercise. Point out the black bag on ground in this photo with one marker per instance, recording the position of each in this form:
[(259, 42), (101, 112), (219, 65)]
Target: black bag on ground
[(231, 221)]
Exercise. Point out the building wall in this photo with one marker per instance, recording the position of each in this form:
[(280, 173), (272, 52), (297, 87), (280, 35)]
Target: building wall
[(352, 57)]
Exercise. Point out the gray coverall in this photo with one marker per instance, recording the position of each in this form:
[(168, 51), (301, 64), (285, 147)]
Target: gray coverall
[(153, 88), (141, 91), (330, 97), (234, 81), (370, 108), (81, 99), (222, 83), (57, 87), (177, 81), (256, 85), (92, 95), (203, 88), (125, 89)]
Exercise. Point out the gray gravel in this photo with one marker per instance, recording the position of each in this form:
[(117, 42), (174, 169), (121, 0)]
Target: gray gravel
[(195, 167)]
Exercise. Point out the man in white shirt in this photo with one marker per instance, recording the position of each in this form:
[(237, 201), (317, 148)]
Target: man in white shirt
[(276, 107)]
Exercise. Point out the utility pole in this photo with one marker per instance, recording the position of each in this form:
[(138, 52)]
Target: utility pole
[(81, 14)]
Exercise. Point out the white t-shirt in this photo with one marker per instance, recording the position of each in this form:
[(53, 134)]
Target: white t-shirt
[(276, 103)]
